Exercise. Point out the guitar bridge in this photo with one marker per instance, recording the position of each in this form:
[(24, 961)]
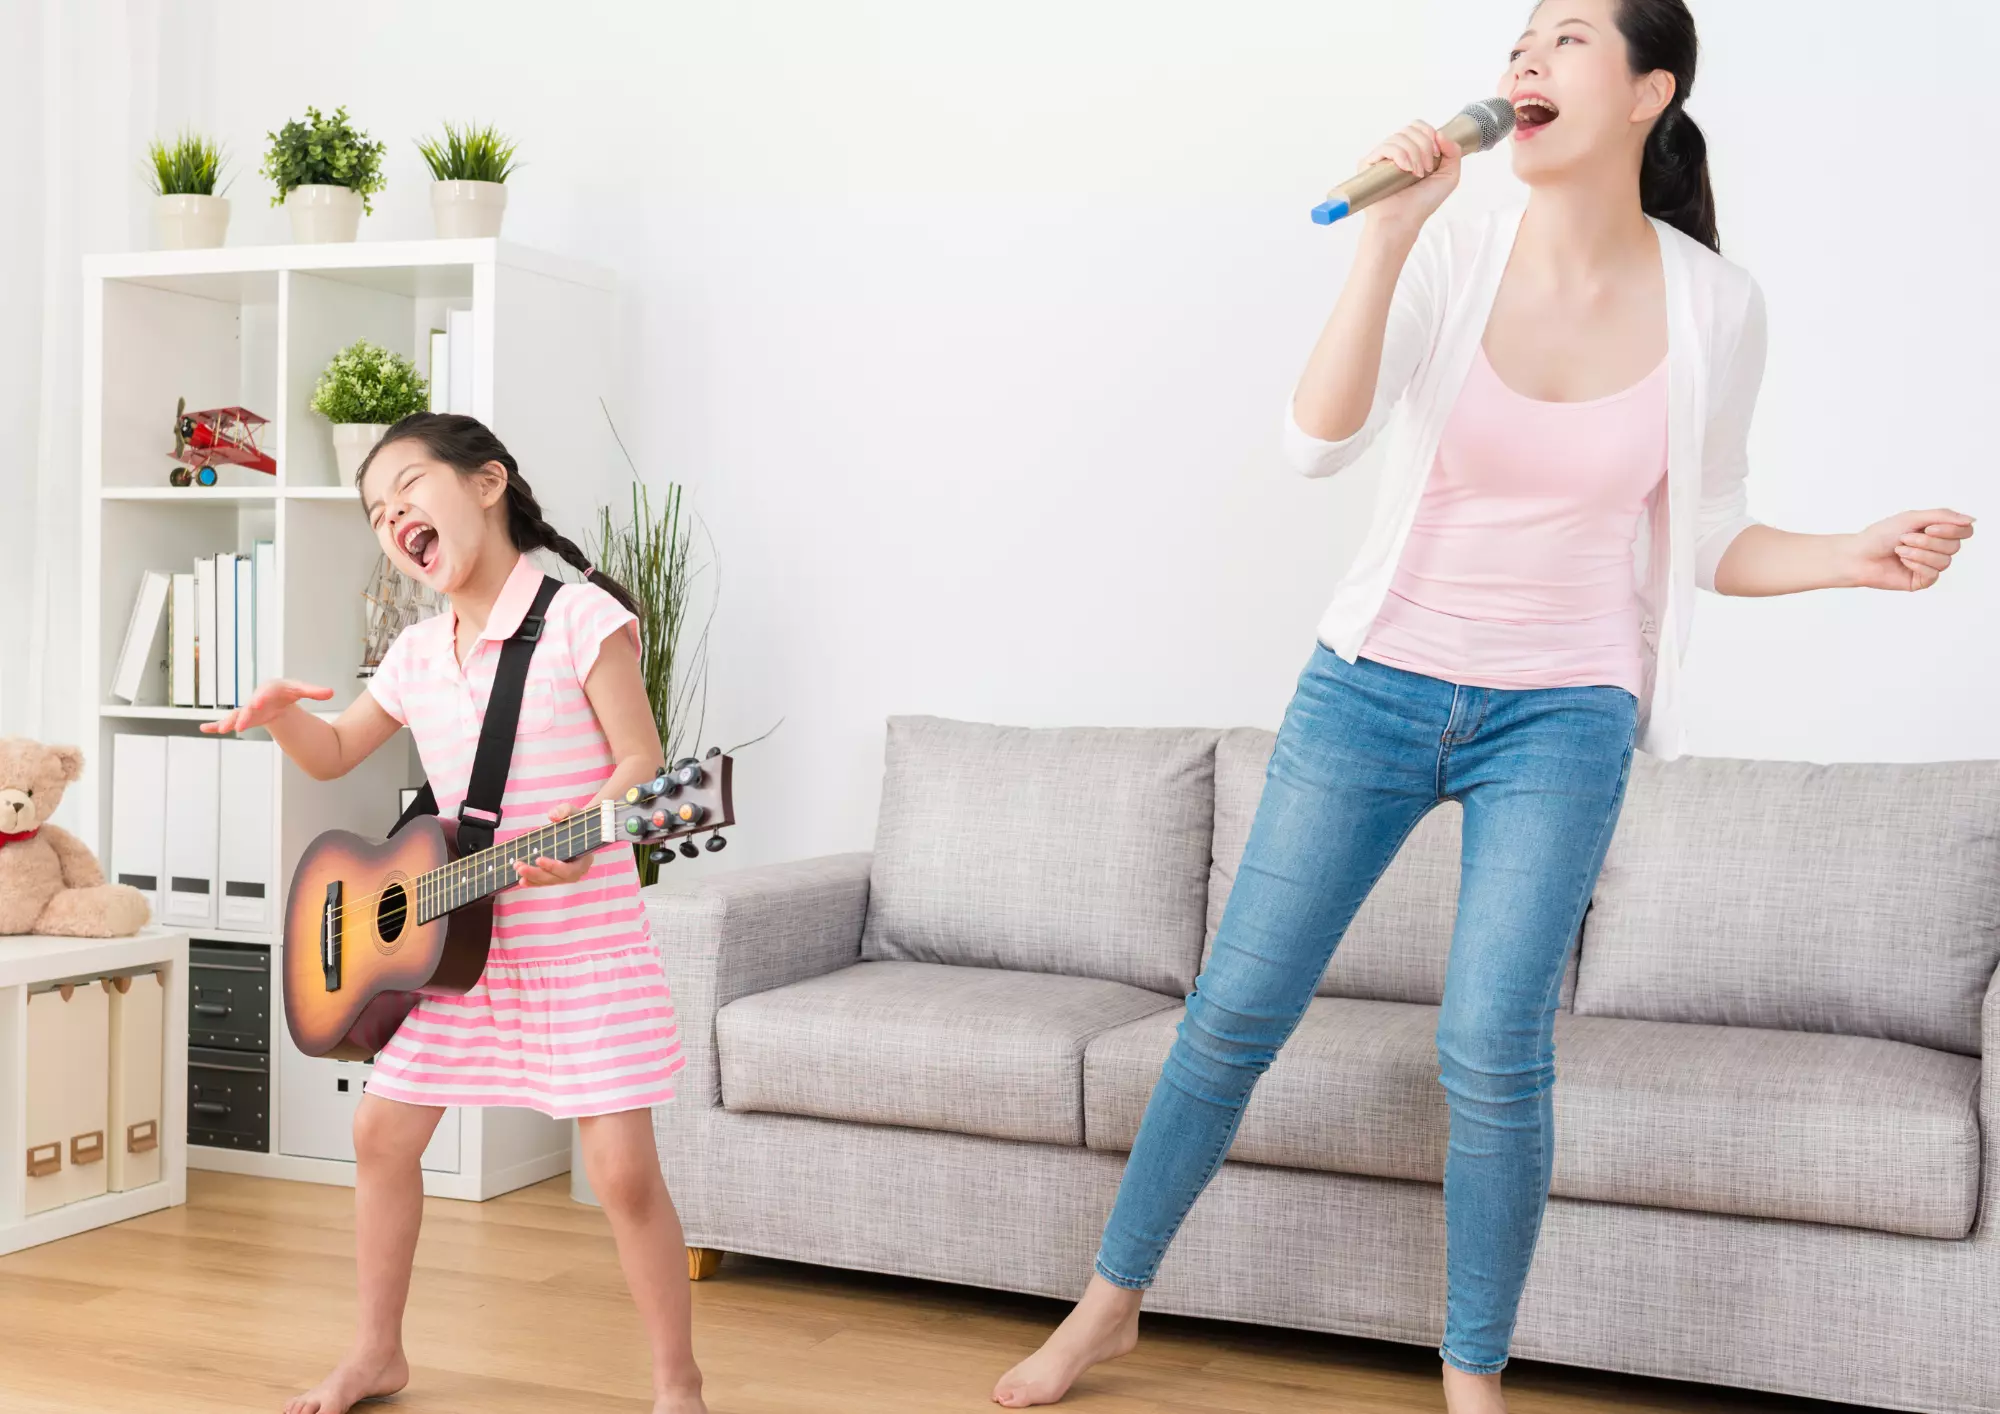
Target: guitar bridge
[(329, 937)]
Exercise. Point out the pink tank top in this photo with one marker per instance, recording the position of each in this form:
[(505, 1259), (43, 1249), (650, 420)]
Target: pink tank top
[(1518, 572)]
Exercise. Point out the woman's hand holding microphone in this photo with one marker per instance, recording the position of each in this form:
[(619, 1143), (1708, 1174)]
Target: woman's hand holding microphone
[(1422, 152)]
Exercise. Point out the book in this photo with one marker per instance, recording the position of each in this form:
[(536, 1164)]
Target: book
[(264, 566), (440, 374), (204, 632), (458, 333), (181, 618), (142, 630), (247, 667), (224, 640)]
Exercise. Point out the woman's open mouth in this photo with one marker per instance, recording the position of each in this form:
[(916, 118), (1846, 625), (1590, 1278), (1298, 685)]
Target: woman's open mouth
[(418, 541), (1532, 113)]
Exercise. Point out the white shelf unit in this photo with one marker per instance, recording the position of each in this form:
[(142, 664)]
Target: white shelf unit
[(27, 961), (254, 327)]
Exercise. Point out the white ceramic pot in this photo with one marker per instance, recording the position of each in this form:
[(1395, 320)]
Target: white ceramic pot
[(321, 214), (352, 441), (464, 209), (188, 222)]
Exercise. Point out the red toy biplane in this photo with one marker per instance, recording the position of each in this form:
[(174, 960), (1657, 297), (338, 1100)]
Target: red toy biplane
[(216, 437)]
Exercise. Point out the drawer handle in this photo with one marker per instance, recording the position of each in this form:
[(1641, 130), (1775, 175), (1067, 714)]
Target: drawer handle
[(210, 1009), (44, 1159), (209, 1107), (143, 1137), (86, 1149)]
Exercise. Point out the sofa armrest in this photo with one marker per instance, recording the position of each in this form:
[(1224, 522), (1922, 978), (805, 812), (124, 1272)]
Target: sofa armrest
[(747, 932)]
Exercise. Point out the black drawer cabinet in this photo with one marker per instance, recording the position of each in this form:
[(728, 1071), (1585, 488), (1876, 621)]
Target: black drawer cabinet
[(229, 996), (229, 1099)]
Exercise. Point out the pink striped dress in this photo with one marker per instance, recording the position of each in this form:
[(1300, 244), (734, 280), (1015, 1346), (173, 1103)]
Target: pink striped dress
[(572, 1016)]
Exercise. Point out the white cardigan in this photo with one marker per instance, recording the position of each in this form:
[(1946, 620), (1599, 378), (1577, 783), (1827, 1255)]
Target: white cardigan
[(1715, 364)]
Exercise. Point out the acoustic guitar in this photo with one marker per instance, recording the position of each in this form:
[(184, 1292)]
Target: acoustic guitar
[(369, 924)]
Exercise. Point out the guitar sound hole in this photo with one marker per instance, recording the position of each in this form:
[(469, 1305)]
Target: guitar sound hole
[(392, 915)]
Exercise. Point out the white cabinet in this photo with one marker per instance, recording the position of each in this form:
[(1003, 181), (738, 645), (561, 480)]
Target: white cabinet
[(317, 1118), (93, 1082)]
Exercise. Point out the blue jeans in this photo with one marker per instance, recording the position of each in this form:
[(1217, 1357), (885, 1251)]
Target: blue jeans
[(1365, 752)]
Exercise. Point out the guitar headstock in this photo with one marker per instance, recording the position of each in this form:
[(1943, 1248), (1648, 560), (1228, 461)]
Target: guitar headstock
[(688, 798)]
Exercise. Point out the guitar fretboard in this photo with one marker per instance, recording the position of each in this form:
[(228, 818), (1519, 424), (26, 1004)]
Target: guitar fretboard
[(473, 876)]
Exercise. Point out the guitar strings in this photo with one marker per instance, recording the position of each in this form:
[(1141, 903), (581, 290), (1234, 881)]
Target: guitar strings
[(450, 875), (463, 869), (443, 880)]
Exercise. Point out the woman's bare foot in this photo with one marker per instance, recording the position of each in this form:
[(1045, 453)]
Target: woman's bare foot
[(1104, 1326), (1472, 1394), (360, 1376)]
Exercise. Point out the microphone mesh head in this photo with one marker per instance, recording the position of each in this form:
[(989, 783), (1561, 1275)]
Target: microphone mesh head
[(1495, 117)]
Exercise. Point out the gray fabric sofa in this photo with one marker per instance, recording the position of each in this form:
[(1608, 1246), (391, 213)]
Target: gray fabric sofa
[(930, 1060)]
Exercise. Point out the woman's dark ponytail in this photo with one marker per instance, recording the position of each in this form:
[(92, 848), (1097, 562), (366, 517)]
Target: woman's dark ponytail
[(1673, 176), (466, 444)]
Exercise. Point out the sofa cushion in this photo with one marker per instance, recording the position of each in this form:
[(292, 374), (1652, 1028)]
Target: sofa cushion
[(1772, 1124), (1081, 850), (1397, 947), (1863, 900), (1832, 1129), (1354, 1091), (967, 1049)]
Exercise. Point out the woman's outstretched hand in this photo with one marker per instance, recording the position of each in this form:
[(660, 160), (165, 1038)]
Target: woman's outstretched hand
[(546, 871), (1908, 552), (266, 703)]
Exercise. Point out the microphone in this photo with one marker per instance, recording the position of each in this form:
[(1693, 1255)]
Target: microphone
[(1481, 126)]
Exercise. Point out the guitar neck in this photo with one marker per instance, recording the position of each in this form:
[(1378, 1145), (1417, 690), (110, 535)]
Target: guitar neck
[(472, 877)]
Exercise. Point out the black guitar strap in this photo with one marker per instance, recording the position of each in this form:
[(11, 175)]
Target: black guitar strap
[(480, 813)]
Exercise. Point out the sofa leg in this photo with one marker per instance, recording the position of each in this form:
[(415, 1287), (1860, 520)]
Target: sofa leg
[(703, 1263)]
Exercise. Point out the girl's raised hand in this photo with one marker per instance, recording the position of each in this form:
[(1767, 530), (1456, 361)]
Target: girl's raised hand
[(266, 703), (547, 871)]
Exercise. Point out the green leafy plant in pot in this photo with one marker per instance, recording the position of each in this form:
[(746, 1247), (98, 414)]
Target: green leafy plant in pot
[(189, 211), (363, 390), (325, 169), (469, 171), (653, 554)]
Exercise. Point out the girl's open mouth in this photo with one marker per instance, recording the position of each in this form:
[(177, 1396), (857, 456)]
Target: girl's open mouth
[(420, 542)]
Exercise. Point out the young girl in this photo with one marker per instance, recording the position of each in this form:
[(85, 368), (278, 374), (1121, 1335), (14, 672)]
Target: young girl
[(1571, 390), (572, 1016)]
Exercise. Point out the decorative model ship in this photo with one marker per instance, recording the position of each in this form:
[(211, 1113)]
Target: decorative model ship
[(395, 601)]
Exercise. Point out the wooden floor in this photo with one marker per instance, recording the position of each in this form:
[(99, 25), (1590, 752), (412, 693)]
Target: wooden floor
[(245, 1295)]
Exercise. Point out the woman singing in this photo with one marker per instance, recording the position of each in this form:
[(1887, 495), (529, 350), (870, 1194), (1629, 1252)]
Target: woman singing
[(1568, 393)]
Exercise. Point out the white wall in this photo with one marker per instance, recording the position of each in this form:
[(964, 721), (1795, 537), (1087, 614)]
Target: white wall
[(971, 327)]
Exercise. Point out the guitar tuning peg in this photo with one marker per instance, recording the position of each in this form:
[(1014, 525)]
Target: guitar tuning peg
[(716, 844), (713, 752), (660, 854), (688, 850)]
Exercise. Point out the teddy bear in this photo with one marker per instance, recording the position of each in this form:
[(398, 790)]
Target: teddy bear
[(49, 882)]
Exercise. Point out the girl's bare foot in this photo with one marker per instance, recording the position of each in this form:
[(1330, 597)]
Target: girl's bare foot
[(362, 1375), (1472, 1394), (687, 1401), (1104, 1326)]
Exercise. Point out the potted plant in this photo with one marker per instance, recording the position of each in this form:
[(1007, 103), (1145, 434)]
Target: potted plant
[(324, 170), (469, 168), (362, 391), (653, 554), (188, 214)]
